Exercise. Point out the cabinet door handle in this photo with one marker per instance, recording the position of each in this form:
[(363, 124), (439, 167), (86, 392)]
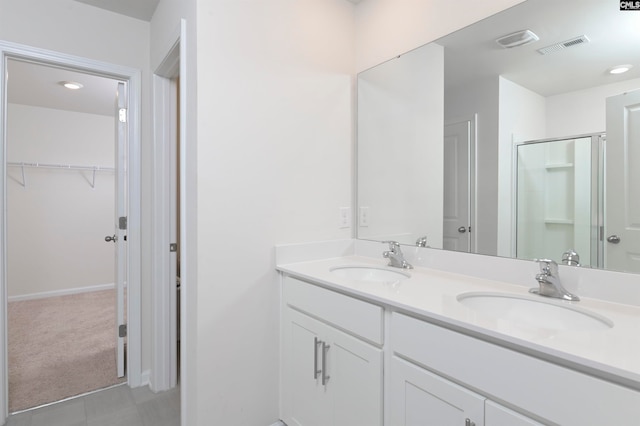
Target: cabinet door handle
[(316, 342), (468, 422), (325, 376)]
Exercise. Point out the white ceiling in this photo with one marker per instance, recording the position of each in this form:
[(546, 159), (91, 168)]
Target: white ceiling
[(472, 52), (38, 85), (139, 9)]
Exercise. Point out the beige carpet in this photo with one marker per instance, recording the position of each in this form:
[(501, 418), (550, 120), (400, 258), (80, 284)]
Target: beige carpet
[(60, 347)]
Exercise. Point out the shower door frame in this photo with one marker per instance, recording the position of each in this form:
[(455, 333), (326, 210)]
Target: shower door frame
[(598, 141)]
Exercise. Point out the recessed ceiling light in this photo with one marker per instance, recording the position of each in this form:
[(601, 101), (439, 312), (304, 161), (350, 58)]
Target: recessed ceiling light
[(619, 69), (73, 85)]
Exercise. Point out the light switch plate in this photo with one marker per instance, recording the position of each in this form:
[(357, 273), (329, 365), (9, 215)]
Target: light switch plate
[(345, 217)]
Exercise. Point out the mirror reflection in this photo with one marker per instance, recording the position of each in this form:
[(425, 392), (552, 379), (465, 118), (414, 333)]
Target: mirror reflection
[(510, 137)]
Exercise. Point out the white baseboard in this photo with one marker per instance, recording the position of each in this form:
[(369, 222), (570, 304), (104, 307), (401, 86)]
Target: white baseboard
[(64, 292), (144, 378)]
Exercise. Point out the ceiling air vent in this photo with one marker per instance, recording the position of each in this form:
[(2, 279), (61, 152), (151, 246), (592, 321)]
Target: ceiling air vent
[(564, 44)]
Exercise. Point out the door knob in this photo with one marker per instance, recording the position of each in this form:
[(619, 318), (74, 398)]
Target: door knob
[(462, 229), (109, 238), (613, 239)]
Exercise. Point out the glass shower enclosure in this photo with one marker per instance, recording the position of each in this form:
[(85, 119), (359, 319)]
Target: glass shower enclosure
[(559, 198)]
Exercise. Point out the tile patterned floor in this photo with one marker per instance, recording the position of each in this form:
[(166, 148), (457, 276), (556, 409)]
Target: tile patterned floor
[(117, 406)]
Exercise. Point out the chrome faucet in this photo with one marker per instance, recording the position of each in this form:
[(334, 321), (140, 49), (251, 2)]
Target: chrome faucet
[(571, 258), (395, 256), (549, 281)]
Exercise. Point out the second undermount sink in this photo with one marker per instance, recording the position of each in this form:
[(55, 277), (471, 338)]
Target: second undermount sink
[(534, 311), (369, 273)]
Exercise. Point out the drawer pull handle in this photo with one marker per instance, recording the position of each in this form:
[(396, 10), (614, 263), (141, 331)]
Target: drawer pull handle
[(325, 376), (316, 342), (468, 422)]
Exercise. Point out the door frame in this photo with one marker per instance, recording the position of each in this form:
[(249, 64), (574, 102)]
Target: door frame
[(166, 145), (132, 76)]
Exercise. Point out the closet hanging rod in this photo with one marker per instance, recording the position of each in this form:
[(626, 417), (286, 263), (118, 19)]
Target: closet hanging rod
[(62, 166)]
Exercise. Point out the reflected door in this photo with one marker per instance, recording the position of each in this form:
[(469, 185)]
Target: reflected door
[(456, 216), (622, 194)]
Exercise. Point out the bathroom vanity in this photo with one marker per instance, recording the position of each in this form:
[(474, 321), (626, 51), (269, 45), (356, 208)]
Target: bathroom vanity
[(365, 344)]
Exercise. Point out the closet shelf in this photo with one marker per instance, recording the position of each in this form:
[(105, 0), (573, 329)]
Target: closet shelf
[(93, 169)]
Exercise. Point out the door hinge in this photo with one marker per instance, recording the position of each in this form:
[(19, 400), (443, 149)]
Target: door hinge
[(122, 330), (122, 115), (122, 222), (173, 247)]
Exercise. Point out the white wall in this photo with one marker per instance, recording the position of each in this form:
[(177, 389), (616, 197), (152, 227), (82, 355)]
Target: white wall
[(57, 221), (274, 166), (400, 148), (521, 118), (583, 111), (75, 28)]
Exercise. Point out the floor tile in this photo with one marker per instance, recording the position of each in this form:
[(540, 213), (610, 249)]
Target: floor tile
[(107, 401), (161, 411), (22, 419), (69, 413), (128, 416)]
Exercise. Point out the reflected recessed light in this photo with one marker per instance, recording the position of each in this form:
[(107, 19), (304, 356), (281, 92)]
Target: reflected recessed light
[(73, 85), (619, 69)]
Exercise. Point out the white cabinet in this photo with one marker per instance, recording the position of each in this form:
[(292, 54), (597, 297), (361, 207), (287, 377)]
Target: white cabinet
[(334, 345), (329, 376), (419, 397), (497, 415), (547, 391)]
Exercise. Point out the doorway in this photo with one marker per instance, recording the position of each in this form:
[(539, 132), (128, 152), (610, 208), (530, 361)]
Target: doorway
[(60, 203), (132, 77)]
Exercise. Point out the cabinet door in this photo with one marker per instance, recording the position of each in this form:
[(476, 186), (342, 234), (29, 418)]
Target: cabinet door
[(355, 383), (419, 397), (497, 415), (304, 400)]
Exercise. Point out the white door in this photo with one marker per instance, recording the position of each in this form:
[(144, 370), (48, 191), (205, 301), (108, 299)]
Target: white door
[(457, 225), (419, 397), (120, 225), (622, 183)]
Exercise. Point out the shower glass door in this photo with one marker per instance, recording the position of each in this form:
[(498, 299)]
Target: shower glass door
[(558, 201)]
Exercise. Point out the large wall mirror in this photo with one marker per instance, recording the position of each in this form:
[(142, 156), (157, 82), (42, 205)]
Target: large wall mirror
[(522, 146)]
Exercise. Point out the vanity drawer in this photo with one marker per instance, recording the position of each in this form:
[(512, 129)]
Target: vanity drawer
[(362, 319), (555, 393)]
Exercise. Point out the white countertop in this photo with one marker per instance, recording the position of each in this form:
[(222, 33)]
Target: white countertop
[(610, 353)]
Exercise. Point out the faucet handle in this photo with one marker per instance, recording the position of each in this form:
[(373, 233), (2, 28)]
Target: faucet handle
[(570, 257), (548, 266), (393, 245)]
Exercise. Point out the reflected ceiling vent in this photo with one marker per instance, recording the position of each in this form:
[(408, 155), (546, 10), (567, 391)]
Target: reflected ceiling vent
[(517, 39), (564, 44)]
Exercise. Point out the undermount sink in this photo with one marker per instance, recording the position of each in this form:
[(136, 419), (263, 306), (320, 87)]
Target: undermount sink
[(369, 273), (538, 312)]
